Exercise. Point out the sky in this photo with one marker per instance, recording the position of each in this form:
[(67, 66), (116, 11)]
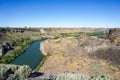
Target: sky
[(60, 13)]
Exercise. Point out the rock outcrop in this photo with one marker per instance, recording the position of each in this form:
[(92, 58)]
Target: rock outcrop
[(5, 47), (114, 36), (58, 45), (80, 56), (92, 44)]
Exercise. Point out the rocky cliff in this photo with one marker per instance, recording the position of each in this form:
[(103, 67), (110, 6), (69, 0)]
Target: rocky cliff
[(84, 44), (86, 55)]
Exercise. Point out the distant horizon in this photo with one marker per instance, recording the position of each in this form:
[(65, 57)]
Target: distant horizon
[(54, 27), (60, 13)]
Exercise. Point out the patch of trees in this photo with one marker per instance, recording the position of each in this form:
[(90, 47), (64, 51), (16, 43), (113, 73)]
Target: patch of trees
[(74, 35), (8, 29), (17, 40), (98, 34)]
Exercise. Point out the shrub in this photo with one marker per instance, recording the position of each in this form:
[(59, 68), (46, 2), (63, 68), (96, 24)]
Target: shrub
[(3, 72), (57, 41), (19, 72), (5, 59), (23, 72), (71, 76), (14, 68), (117, 41)]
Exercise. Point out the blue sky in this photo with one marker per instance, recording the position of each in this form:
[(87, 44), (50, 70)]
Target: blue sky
[(60, 13)]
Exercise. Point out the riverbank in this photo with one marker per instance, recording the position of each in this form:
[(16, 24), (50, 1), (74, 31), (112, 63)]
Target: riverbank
[(41, 63), (18, 51), (32, 56)]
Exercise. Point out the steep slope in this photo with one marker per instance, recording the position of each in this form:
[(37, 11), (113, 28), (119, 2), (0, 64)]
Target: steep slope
[(79, 56)]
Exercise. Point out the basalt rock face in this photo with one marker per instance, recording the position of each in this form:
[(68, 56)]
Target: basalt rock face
[(92, 44), (111, 55), (114, 36), (5, 48), (114, 32)]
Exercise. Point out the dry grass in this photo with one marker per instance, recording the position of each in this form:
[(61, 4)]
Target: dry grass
[(76, 61), (117, 41)]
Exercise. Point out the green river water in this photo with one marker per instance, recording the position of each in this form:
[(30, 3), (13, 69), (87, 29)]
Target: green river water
[(32, 56)]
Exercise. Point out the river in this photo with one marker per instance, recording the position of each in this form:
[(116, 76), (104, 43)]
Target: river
[(32, 56)]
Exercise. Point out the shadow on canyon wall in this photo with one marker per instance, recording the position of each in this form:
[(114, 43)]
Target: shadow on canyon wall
[(112, 55)]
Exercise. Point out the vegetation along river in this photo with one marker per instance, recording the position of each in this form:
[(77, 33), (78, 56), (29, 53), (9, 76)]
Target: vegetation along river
[(32, 56)]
